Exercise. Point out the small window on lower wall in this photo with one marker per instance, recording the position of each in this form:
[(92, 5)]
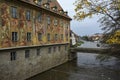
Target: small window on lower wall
[(49, 50), (13, 56), (38, 51), (27, 53), (54, 49), (59, 48), (65, 47)]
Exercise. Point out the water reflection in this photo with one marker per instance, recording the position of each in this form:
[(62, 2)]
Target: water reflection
[(86, 67)]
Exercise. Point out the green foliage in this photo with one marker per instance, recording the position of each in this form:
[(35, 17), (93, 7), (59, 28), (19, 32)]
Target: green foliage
[(115, 38)]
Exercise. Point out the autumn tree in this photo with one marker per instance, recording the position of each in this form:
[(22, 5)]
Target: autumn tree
[(109, 11)]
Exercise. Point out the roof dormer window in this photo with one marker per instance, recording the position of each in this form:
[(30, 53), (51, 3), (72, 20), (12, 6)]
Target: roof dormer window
[(61, 11), (65, 12), (38, 2), (47, 5), (35, 1), (54, 8)]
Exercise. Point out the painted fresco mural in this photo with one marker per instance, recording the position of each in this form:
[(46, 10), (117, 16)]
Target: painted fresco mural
[(5, 26), (33, 26)]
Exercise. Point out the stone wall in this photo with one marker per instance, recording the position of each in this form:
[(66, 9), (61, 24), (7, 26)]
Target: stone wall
[(23, 68)]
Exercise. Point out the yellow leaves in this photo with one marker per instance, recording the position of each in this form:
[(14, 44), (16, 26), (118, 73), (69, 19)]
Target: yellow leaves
[(104, 10), (115, 39), (81, 15), (90, 7), (78, 7), (98, 8), (116, 4), (87, 3)]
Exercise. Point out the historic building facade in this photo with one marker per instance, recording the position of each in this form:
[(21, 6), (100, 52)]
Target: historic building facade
[(34, 37)]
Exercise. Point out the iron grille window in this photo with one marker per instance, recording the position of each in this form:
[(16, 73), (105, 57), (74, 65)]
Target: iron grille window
[(49, 50), (65, 47), (28, 36), (14, 36), (38, 52), (27, 53), (54, 49), (59, 48), (39, 17), (14, 12), (48, 20), (13, 56), (28, 15)]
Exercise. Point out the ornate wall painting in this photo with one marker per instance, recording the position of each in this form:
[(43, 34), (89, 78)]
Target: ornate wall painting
[(5, 26)]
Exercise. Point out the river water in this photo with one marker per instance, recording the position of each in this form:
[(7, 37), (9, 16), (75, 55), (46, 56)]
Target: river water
[(88, 66)]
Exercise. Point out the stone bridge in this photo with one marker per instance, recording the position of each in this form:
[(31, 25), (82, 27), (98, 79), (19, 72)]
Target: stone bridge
[(73, 51)]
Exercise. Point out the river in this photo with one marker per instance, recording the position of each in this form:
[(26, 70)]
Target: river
[(88, 66)]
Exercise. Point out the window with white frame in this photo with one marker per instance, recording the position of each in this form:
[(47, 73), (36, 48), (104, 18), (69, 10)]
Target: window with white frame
[(28, 15), (39, 17), (40, 36), (48, 20), (55, 22), (14, 12), (14, 36), (28, 36), (13, 56)]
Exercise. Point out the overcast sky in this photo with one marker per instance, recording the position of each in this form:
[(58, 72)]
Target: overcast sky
[(88, 26)]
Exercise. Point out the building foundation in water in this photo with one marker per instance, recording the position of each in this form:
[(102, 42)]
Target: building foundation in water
[(34, 37)]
